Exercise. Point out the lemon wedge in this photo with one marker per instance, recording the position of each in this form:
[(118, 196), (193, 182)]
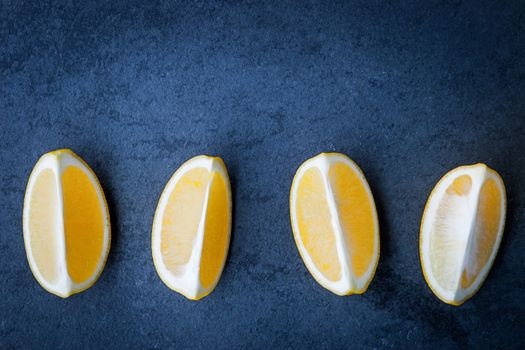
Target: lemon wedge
[(191, 227), (334, 223), (461, 230), (66, 224)]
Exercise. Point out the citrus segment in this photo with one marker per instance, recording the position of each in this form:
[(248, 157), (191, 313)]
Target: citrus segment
[(315, 224), (181, 218), (43, 225), (450, 233), (215, 245), (356, 215), (83, 224), (485, 231)]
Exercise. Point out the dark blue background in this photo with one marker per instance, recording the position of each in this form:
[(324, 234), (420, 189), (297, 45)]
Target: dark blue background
[(408, 90)]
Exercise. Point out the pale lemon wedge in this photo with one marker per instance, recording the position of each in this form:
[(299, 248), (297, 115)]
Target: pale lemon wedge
[(461, 230), (191, 227), (334, 223), (66, 224)]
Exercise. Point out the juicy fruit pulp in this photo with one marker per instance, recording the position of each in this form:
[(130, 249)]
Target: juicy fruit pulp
[(66, 224), (83, 224), (43, 225), (216, 238), (461, 230), (181, 219), (356, 214), (191, 229), (335, 223), (315, 227)]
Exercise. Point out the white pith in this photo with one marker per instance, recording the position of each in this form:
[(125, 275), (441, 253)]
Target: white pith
[(187, 280), (57, 162), (348, 283), (467, 207)]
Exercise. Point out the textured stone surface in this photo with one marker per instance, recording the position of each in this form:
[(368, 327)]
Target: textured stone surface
[(408, 90)]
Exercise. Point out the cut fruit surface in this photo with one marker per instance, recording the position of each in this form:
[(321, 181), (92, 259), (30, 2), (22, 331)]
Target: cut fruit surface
[(334, 223), (461, 230), (191, 227), (66, 224)]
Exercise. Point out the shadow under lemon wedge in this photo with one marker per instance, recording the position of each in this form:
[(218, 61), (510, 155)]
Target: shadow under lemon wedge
[(66, 224), (191, 227), (334, 223), (461, 231)]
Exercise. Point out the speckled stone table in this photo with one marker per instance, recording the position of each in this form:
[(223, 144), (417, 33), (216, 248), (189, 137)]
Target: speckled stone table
[(408, 90)]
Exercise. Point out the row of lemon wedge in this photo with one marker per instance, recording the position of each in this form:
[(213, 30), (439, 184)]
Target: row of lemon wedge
[(334, 221)]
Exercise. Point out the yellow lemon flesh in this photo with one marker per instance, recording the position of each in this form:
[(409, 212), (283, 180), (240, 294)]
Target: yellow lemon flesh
[(334, 222), (191, 228), (66, 224), (461, 230)]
